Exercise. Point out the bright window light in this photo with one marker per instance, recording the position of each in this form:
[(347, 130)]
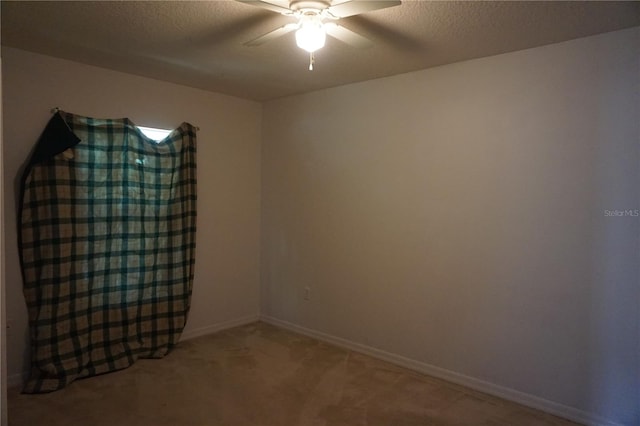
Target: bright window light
[(154, 134)]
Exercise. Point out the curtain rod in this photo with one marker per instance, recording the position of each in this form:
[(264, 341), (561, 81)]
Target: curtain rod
[(55, 110)]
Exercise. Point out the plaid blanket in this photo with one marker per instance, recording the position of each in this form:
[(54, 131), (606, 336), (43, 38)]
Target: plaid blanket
[(107, 244)]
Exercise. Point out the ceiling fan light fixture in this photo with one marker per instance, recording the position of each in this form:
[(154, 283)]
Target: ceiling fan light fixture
[(311, 35)]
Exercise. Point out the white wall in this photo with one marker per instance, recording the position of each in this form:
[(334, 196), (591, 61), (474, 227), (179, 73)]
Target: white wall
[(226, 286), (455, 217)]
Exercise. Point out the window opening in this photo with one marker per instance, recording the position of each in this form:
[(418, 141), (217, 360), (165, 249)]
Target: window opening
[(154, 134)]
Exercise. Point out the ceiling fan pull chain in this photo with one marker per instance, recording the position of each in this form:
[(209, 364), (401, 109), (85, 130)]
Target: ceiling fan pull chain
[(312, 60)]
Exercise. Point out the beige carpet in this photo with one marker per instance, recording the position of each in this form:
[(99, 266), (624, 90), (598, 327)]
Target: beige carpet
[(262, 375)]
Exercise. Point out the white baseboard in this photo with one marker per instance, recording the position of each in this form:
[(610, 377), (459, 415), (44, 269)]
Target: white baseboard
[(532, 401), (17, 380), (203, 331)]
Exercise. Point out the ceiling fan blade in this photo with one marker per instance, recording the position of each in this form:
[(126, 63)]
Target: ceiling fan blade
[(279, 32), (281, 6), (356, 7), (347, 36)]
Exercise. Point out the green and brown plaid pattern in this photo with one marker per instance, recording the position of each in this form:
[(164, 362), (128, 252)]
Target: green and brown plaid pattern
[(107, 247)]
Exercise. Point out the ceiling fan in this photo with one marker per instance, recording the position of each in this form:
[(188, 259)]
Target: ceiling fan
[(316, 19)]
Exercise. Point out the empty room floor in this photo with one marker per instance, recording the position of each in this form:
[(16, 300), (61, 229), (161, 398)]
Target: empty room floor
[(259, 374)]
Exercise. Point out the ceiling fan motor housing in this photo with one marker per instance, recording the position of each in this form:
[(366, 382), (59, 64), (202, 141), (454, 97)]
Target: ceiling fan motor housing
[(309, 4)]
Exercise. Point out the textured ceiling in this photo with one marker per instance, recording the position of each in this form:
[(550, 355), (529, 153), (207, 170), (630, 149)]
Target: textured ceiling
[(200, 44)]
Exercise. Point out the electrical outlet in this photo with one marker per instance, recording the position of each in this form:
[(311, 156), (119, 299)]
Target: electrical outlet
[(307, 293)]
